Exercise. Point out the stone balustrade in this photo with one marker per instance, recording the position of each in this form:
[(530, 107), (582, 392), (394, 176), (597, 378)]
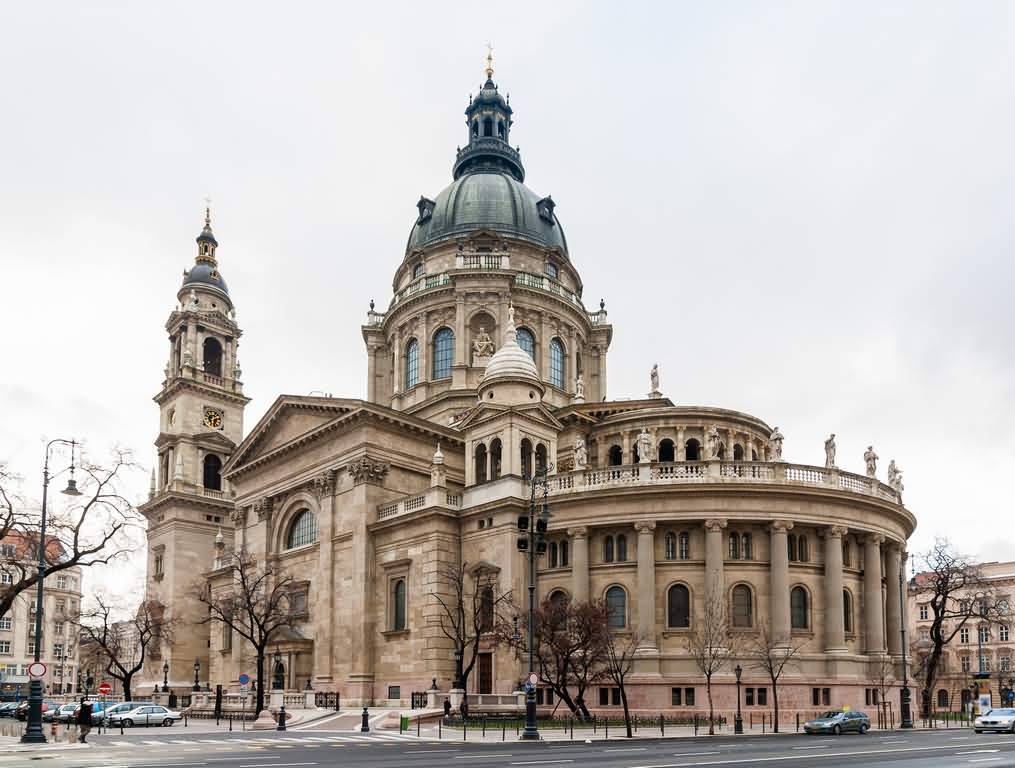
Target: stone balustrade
[(441, 498), (659, 473)]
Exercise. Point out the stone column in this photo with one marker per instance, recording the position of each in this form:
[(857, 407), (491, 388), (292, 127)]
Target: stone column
[(873, 626), (646, 584), (579, 563), (461, 344), (324, 639), (681, 453), (628, 456), (714, 579), (371, 373), (835, 638), (396, 373), (893, 606), (779, 577), (731, 439), (602, 373)]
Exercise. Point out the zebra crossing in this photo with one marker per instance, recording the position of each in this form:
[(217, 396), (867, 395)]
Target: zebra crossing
[(276, 741)]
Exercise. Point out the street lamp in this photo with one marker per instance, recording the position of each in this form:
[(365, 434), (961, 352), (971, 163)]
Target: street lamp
[(276, 661), (905, 707), (197, 671), (165, 676), (738, 723), (532, 541), (458, 667), (33, 731)]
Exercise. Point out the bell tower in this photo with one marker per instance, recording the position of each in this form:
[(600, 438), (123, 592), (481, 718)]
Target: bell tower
[(201, 406)]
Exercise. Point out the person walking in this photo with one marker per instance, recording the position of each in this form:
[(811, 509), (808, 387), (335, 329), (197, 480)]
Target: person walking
[(84, 719)]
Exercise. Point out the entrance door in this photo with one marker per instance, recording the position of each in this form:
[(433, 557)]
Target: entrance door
[(486, 673)]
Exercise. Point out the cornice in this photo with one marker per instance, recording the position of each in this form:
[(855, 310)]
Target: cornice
[(185, 498), (179, 383)]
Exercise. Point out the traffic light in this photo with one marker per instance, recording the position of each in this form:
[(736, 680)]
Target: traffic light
[(523, 543), (541, 547), (541, 525), (523, 522)]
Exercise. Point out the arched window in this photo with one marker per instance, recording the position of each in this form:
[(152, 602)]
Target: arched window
[(742, 610), (527, 341), (212, 472), (798, 608), (746, 546), (540, 458), (608, 549), (526, 457), (847, 559), (754, 455), (558, 599), (500, 129), (486, 610), (692, 450), (684, 543), (495, 454), (488, 126), (616, 455), (942, 699), (212, 356), (791, 546), (475, 127), (847, 611), (563, 554), (670, 546), (666, 450), (557, 363), (616, 607), (411, 364), (398, 605), (621, 548), (734, 546), (678, 606), (480, 464), (418, 270), (302, 530), (738, 452), (803, 553), (552, 554), (443, 353)]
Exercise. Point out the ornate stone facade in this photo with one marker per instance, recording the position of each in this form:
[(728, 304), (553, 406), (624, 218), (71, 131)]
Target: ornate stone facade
[(479, 353)]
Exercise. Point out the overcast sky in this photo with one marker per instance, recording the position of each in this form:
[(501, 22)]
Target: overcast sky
[(799, 210)]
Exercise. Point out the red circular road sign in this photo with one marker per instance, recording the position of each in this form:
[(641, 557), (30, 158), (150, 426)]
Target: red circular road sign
[(37, 669), (105, 688)]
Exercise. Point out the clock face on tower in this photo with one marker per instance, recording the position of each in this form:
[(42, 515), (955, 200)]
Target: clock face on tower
[(212, 418)]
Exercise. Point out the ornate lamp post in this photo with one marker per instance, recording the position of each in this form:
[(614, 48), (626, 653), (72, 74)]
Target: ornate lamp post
[(276, 661), (33, 731), (165, 676), (458, 668), (738, 722), (905, 708), (197, 672), (532, 541)]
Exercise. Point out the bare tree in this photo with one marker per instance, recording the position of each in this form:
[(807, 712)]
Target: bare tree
[(767, 654), (618, 661), (255, 604), (568, 638), (711, 645), (469, 611), (121, 646), (88, 533), (954, 590)]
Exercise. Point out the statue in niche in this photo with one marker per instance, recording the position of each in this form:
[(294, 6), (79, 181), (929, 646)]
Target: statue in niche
[(482, 345), (870, 459), (193, 298), (579, 389), (775, 444), (714, 443), (581, 453), (644, 447), (830, 451)]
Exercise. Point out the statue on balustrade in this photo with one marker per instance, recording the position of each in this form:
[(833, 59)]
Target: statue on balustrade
[(581, 454), (714, 443), (830, 451), (775, 445), (482, 345), (895, 476), (654, 377), (871, 460), (644, 447)]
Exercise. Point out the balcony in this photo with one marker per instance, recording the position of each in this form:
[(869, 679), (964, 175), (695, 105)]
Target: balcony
[(547, 285), (440, 498), (420, 285)]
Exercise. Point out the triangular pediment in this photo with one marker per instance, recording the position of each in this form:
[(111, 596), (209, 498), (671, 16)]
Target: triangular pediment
[(484, 412)]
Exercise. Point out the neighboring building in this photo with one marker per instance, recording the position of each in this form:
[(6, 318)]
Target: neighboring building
[(94, 660), (960, 661), (487, 352), (61, 607)]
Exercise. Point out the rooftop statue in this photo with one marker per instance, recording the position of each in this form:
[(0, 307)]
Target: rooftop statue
[(775, 444), (830, 451), (870, 459)]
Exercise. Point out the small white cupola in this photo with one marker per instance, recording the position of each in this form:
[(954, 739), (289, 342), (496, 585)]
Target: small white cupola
[(511, 377)]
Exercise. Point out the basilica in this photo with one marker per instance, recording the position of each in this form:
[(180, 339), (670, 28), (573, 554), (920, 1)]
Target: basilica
[(486, 367)]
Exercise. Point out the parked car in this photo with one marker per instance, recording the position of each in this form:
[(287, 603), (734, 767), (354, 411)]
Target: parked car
[(7, 708), (22, 711), (65, 714), (838, 722), (121, 707), (147, 714), (995, 720)]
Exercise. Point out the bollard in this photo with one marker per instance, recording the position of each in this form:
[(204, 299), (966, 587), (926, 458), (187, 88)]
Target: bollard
[(752, 721), (762, 722), (281, 719), (418, 720), (695, 718), (798, 722), (465, 730), (365, 725), (440, 729), (503, 729), (230, 722), (121, 726), (595, 720), (662, 726), (484, 726), (607, 736), (184, 722), (572, 729)]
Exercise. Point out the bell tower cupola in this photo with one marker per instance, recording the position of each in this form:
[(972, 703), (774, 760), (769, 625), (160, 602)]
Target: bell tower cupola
[(488, 118)]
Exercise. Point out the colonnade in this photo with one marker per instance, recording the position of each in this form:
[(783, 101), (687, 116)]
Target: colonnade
[(754, 448)]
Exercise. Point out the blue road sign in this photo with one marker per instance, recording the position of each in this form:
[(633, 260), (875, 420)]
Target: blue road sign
[(244, 679)]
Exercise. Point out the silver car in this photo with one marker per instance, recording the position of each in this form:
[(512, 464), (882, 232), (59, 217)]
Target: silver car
[(146, 714), (995, 720)]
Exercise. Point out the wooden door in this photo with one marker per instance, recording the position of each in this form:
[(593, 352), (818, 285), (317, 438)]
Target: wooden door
[(485, 673)]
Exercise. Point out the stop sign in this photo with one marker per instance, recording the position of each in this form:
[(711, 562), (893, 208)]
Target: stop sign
[(105, 688)]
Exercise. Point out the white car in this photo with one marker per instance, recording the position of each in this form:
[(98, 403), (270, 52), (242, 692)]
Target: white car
[(146, 714), (995, 720)]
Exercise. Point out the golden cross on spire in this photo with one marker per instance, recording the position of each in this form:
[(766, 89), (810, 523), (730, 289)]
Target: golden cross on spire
[(207, 212), (489, 61)]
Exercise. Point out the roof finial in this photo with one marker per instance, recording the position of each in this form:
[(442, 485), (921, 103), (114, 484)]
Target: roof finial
[(489, 61), (207, 212)]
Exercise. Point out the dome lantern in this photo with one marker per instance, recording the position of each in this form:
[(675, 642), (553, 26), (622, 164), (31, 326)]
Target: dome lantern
[(488, 118)]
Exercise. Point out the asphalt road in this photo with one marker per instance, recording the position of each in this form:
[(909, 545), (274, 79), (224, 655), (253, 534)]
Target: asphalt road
[(310, 749)]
